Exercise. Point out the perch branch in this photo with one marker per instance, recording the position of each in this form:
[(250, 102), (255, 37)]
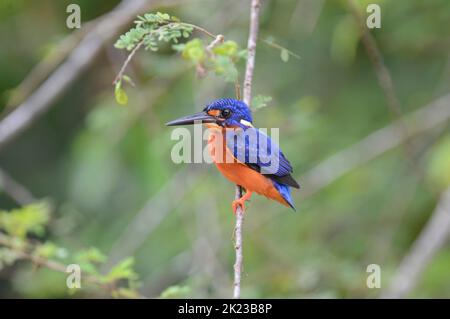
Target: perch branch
[(251, 51), (431, 239)]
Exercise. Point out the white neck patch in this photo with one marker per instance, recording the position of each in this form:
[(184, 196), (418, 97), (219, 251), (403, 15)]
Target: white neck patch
[(246, 123)]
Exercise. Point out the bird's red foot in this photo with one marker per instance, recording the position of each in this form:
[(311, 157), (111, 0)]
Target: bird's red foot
[(241, 202), (238, 203)]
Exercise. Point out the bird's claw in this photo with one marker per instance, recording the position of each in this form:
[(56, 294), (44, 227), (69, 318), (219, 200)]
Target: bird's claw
[(241, 202), (236, 203)]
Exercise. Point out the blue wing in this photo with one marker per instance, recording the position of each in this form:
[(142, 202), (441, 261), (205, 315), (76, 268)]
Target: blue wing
[(258, 151)]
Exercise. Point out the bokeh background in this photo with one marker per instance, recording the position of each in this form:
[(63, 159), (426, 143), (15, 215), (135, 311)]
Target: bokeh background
[(107, 172)]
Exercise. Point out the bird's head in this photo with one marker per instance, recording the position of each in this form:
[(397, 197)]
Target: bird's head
[(222, 112)]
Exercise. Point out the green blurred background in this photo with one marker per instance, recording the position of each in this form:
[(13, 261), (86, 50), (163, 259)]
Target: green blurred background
[(106, 168)]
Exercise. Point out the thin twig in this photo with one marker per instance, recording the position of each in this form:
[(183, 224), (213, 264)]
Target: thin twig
[(217, 40), (431, 239), (277, 46), (251, 51), (196, 27), (128, 60)]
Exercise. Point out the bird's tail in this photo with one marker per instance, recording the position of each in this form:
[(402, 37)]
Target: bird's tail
[(285, 192)]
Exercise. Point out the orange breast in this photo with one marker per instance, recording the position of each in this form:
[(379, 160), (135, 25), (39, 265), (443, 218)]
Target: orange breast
[(237, 172)]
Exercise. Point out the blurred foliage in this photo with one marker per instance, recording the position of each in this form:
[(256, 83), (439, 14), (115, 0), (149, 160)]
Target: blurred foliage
[(28, 219), (31, 220), (107, 169)]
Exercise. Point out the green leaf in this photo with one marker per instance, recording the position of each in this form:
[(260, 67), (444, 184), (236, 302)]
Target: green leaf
[(130, 39), (284, 55), (260, 101), (121, 95), (128, 80)]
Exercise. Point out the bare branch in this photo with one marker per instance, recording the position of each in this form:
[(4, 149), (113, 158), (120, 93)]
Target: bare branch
[(375, 144), (15, 190), (431, 239), (251, 51)]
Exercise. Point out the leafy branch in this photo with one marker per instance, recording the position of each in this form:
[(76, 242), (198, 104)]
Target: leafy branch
[(219, 56)]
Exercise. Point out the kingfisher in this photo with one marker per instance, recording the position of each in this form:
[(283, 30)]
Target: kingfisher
[(242, 153)]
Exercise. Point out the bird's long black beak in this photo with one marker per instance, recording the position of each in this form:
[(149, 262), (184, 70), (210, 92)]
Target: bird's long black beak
[(202, 117)]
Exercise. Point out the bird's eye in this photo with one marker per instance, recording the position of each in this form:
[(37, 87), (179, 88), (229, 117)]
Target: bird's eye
[(225, 113)]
